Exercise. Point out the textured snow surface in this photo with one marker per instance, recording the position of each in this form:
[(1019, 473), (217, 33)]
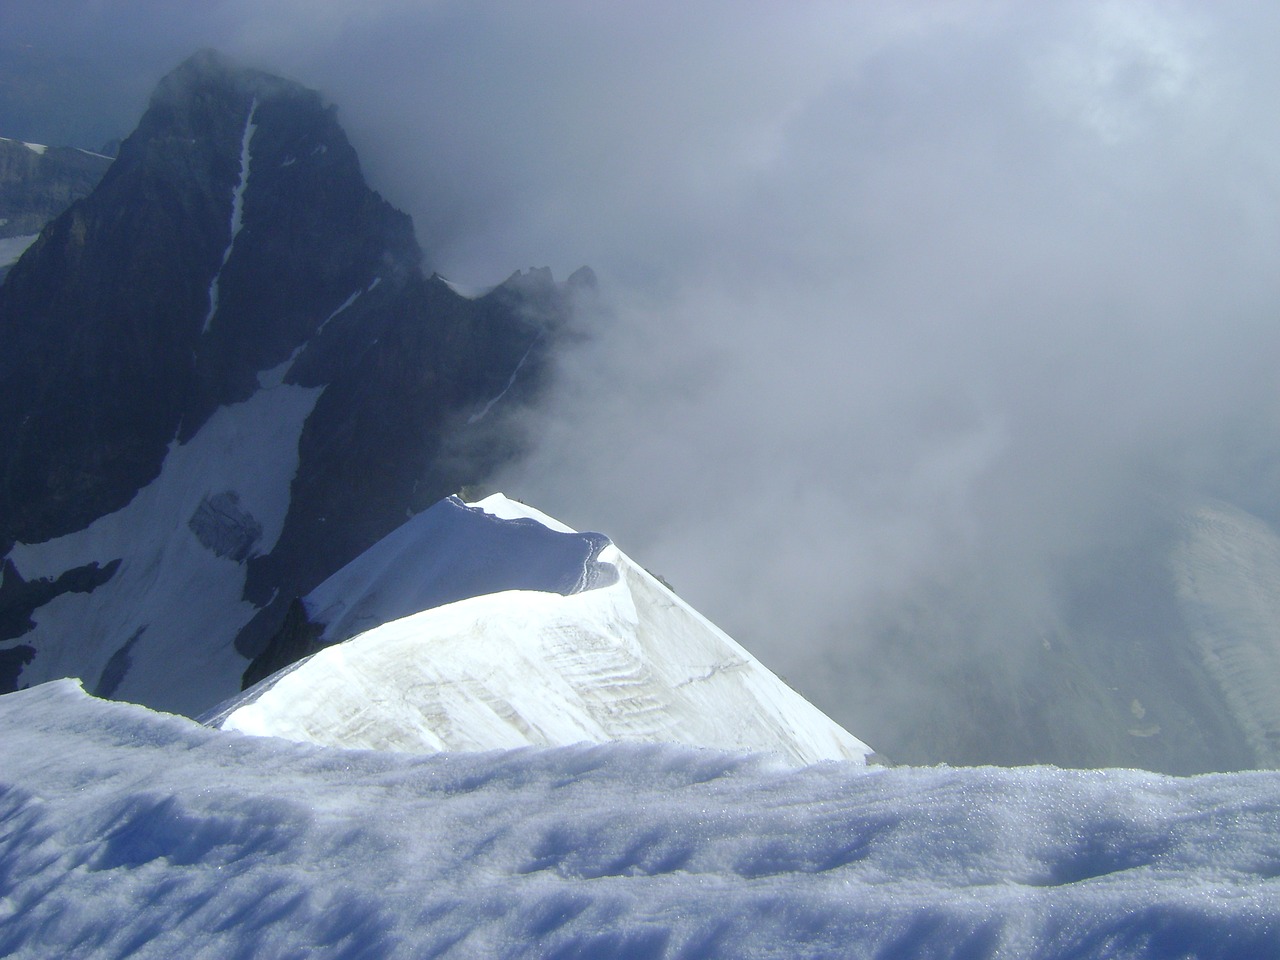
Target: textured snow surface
[(586, 647), (125, 832)]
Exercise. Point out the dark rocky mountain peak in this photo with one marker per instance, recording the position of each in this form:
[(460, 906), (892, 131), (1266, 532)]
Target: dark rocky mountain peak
[(231, 343), (234, 221)]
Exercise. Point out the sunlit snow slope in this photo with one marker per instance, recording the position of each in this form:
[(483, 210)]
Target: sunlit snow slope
[(552, 637), (130, 833)]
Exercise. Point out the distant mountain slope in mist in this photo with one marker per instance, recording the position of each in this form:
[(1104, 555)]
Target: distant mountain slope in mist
[(1227, 571), (37, 183), (1166, 657)]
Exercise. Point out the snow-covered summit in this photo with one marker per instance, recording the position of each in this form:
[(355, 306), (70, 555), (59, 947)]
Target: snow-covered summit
[(491, 625), (454, 551)]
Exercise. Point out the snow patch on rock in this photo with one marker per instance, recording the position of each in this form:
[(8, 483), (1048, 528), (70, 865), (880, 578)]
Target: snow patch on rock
[(186, 594)]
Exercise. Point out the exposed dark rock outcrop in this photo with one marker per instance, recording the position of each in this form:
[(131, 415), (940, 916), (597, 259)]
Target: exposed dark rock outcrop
[(108, 343), (12, 660), (296, 638)]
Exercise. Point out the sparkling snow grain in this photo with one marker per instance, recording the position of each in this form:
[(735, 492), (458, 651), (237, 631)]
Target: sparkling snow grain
[(127, 832)]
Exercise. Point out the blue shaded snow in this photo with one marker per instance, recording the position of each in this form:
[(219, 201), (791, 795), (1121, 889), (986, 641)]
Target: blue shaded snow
[(125, 832), (451, 552)]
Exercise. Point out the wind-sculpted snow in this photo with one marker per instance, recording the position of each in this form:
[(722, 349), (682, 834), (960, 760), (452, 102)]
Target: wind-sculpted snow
[(131, 833), (450, 552)]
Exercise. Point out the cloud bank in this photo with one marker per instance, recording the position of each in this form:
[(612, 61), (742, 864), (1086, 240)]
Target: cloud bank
[(916, 316)]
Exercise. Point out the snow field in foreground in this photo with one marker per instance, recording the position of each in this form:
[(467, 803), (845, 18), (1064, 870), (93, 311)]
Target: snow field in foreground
[(127, 832)]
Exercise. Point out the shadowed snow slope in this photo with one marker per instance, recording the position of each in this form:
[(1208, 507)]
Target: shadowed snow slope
[(555, 637), (450, 552), (132, 833), (161, 628)]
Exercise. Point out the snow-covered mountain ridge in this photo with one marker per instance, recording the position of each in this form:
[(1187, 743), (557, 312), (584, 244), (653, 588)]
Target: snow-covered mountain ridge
[(529, 633)]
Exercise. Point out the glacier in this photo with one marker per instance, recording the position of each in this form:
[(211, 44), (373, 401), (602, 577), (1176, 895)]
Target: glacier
[(1227, 571), (128, 832)]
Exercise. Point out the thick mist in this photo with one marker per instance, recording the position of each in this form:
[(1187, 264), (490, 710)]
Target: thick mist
[(921, 329)]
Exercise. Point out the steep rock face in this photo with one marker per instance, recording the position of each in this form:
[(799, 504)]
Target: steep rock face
[(202, 257), (223, 375)]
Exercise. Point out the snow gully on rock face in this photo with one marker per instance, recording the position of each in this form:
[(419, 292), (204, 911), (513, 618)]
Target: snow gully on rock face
[(480, 415), (237, 210)]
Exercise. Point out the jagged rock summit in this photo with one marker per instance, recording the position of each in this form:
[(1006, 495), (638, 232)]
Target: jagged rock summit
[(490, 625), (233, 223), (223, 375)]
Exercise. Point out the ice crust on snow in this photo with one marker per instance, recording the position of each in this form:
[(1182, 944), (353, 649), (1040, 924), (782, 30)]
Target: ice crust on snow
[(133, 833), (529, 633)]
